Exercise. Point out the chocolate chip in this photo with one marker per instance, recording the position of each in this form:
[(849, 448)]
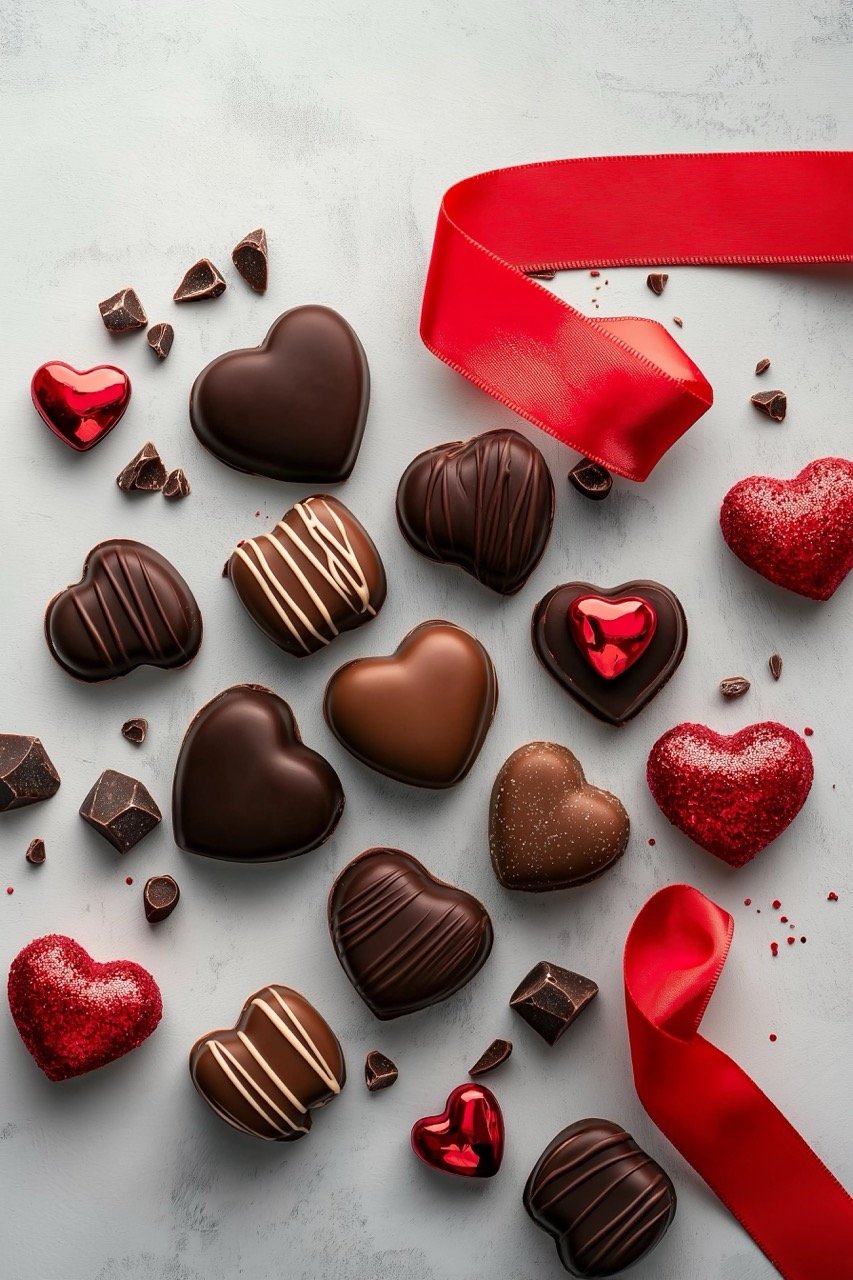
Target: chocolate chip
[(734, 686), (36, 852), (160, 339), (177, 485), (678, 320), (121, 809), (497, 1052), (135, 730), (144, 473), (202, 280), (762, 367), (27, 774), (550, 998), (159, 898), (656, 280), (773, 403), (379, 1072), (775, 665), (591, 479), (251, 259), (123, 312)]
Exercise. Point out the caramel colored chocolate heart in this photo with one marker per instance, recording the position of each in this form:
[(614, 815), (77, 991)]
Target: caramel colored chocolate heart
[(404, 939), (422, 715), (246, 787), (279, 1062), (548, 828), (293, 408), (80, 406)]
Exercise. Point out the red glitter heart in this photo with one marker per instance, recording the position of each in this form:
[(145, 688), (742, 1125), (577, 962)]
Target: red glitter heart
[(74, 1014), (612, 634), (467, 1138), (734, 793), (80, 407), (798, 533)]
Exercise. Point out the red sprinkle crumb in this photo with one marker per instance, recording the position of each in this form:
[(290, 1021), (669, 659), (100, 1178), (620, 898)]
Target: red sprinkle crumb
[(774, 948), (832, 897), (808, 731), (783, 919), (776, 904), (10, 891), (595, 274), (129, 880), (747, 902), (790, 941), (652, 840), (772, 1037)]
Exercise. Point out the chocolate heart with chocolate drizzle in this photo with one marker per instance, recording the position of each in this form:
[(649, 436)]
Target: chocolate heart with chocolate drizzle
[(293, 408)]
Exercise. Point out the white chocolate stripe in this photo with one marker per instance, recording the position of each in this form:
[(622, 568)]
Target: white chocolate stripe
[(220, 1053), (342, 570), (277, 1081), (275, 582), (281, 613), (282, 551), (308, 1051), (329, 1078)]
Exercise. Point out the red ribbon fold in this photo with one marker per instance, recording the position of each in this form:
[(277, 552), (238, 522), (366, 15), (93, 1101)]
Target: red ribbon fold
[(716, 1116), (618, 390)]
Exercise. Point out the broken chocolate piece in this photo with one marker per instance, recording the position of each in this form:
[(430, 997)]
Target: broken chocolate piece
[(762, 367), (121, 809), (160, 339), (123, 312), (27, 774), (135, 730), (591, 479), (145, 473), (678, 320), (36, 852), (775, 665), (497, 1052), (379, 1072), (177, 485), (541, 275), (773, 403), (202, 280), (550, 998), (160, 897), (734, 686), (250, 258), (656, 280)]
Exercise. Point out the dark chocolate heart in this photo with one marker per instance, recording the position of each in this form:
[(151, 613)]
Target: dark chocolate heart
[(246, 788), (293, 408), (405, 939), (617, 699)]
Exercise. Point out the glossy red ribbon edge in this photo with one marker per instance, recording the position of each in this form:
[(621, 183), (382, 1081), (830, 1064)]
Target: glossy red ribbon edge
[(618, 390), (713, 1113)]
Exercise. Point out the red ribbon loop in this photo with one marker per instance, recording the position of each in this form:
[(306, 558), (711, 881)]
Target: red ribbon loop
[(716, 1116), (618, 390)]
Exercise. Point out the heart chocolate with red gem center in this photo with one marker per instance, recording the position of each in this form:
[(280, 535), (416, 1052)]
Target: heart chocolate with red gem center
[(80, 407), (612, 634), (467, 1138)]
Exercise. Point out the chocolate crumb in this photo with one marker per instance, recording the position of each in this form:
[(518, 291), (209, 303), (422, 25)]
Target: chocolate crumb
[(36, 852), (135, 730), (773, 403), (678, 320), (734, 686), (591, 479), (27, 774), (121, 809), (762, 367), (549, 999), (159, 897), (201, 281), (160, 339), (123, 312), (656, 280), (145, 473), (497, 1053), (775, 664), (542, 275), (250, 258), (177, 485), (379, 1072)]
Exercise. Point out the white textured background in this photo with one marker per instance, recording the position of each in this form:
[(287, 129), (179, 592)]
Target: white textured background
[(136, 138)]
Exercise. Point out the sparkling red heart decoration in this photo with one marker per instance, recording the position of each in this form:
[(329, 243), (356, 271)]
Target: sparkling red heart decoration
[(467, 1138), (80, 407), (731, 793), (612, 634)]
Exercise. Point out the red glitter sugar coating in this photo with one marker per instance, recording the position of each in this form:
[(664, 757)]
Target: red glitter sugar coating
[(797, 533), (74, 1014), (731, 794)]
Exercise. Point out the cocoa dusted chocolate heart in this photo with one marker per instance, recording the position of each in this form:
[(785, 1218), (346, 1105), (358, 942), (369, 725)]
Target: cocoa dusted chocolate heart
[(246, 787), (404, 939), (293, 408), (612, 649), (548, 828), (422, 715)]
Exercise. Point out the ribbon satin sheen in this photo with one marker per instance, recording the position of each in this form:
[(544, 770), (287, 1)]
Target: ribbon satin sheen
[(618, 390), (717, 1117)]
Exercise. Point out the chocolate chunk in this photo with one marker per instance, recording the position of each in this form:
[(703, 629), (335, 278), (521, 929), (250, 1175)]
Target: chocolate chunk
[(135, 730), (160, 339), (121, 809), (144, 473), (202, 280), (379, 1072), (130, 609), (404, 939), (177, 485), (250, 259), (775, 665), (734, 686), (486, 505), (656, 280), (27, 774), (591, 479), (36, 852), (762, 367), (550, 998), (160, 897), (602, 1199), (773, 403), (123, 312), (496, 1054)]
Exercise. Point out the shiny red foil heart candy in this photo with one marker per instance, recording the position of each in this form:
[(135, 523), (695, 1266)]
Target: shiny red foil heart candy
[(74, 1014), (730, 793), (612, 634), (80, 407), (797, 533), (467, 1138)]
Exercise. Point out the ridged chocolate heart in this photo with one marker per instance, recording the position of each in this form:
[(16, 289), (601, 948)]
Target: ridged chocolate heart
[(293, 408), (405, 939)]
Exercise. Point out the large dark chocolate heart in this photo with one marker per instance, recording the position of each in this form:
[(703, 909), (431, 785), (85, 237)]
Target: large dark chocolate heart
[(246, 788), (405, 939), (485, 504), (293, 408), (565, 653)]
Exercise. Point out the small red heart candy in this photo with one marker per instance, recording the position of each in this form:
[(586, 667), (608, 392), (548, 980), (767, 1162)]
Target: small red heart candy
[(74, 1014), (731, 793), (797, 533), (80, 407), (612, 634), (467, 1138)]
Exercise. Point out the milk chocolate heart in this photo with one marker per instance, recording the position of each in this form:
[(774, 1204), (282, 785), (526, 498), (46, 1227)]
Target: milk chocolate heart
[(467, 1138), (797, 533), (548, 828), (404, 939), (485, 504), (130, 609), (422, 715), (80, 406), (246, 788), (293, 408), (279, 1062), (614, 649)]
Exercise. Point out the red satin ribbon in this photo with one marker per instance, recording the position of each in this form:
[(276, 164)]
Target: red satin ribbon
[(619, 390), (717, 1117)]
